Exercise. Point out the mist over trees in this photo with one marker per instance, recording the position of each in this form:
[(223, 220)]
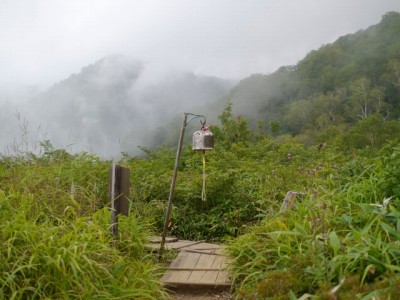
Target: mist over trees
[(114, 105), (326, 94), (340, 92)]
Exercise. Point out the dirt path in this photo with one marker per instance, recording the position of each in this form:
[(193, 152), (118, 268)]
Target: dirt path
[(199, 293)]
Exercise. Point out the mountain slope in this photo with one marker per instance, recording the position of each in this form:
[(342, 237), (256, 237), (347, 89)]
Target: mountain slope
[(337, 85)]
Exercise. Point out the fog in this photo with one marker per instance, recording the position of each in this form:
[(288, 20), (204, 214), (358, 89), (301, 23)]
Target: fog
[(112, 106), (43, 42), (107, 76)]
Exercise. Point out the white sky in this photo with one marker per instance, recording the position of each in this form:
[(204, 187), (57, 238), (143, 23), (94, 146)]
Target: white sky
[(44, 41)]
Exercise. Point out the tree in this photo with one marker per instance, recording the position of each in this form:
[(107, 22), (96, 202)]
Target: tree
[(365, 99), (373, 131), (234, 130)]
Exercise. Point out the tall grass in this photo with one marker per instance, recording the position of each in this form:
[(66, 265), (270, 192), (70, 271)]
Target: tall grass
[(342, 241), (55, 236), (244, 183)]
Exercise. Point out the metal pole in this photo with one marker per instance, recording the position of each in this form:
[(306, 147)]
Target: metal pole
[(172, 189)]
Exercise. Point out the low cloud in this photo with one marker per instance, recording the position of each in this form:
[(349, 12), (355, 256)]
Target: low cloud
[(113, 105)]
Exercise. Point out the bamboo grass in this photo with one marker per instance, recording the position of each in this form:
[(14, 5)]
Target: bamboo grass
[(57, 246)]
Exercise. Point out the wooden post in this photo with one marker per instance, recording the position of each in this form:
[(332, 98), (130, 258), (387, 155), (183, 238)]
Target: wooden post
[(119, 185)]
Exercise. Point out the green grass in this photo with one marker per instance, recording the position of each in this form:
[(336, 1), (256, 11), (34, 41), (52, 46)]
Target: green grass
[(345, 236), (341, 237), (55, 235)]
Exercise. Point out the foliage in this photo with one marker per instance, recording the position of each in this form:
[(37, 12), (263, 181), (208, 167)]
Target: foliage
[(344, 229), (343, 232), (246, 177), (345, 235), (55, 235)]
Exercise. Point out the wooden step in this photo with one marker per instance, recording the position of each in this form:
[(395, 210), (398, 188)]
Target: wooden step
[(198, 264)]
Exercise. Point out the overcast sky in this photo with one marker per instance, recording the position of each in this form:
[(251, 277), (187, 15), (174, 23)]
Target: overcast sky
[(44, 41)]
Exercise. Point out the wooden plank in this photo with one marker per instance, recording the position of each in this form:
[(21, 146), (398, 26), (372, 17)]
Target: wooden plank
[(210, 278), (180, 259), (203, 246), (196, 275), (166, 277), (178, 245), (209, 252), (197, 263), (205, 261), (204, 277), (180, 277), (223, 276), (219, 262), (183, 245), (191, 269), (189, 244), (203, 265), (157, 239), (213, 278), (170, 244), (191, 261), (185, 260)]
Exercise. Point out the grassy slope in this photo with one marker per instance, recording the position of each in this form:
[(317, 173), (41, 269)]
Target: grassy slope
[(341, 231), (55, 237), (344, 233)]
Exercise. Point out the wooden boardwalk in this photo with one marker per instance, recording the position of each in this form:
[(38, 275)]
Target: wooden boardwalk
[(198, 263)]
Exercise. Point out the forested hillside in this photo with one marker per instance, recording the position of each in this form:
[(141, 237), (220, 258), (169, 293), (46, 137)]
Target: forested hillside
[(342, 90)]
